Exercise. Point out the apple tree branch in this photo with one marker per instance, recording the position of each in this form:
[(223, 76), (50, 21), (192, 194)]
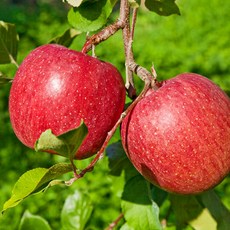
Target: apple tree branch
[(123, 22)]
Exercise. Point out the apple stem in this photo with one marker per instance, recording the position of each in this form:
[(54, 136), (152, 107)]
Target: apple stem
[(108, 31), (134, 19), (100, 153), (102, 35), (115, 222), (74, 168), (128, 35)]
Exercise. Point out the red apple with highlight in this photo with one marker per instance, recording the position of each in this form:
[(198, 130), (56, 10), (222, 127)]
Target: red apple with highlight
[(55, 88), (178, 136)]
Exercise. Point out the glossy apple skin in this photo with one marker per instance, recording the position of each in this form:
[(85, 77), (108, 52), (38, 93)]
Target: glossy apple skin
[(178, 137), (55, 87)]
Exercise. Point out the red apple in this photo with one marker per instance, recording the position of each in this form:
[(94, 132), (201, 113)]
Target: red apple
[(55, 87), (178, 137)]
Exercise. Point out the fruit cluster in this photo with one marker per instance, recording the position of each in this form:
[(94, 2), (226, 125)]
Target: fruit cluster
[(177, 137)]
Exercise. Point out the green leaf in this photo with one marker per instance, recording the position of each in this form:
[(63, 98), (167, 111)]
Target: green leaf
[(126, 227), (118, 160), (66, 38), (49, 142), (140, 211), (204, 221), (90, 15), (158, 195), (186, 209), (8, 43), (189, 210), (162, 7), (33, 222), (76, 211), (65, 144), (217, 209), (75, 3), (134, 3), (36, 181), (4, 79)]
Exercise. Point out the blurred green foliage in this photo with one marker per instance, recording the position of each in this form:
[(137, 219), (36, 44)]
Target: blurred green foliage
[(197, 41)]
